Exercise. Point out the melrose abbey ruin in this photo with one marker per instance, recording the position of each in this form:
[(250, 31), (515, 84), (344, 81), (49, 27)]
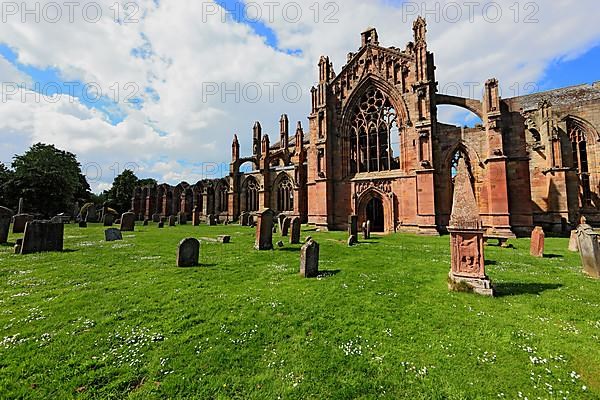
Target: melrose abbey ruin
[(375, 149)]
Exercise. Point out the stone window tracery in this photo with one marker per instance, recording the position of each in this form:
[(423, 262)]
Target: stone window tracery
[(371, 125), (251, 195), (285, 195), (580, 161)]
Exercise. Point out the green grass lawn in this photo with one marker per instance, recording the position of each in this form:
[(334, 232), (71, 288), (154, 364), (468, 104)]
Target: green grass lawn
[(119, 320)]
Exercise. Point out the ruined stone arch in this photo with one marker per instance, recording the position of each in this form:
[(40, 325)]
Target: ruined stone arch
[(222, 196), (365, 201)]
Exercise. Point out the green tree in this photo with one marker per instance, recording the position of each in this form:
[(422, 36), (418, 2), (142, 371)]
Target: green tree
[(5, 176), (49, 180), (119, 195)]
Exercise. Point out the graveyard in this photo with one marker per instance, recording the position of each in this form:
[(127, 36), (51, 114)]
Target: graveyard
[(115, 319)]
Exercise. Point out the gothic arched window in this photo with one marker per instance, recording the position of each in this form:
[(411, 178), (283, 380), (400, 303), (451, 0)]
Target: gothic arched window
[(251, 193), (371, 125), (223, 198), (285, 195), (580, 161)]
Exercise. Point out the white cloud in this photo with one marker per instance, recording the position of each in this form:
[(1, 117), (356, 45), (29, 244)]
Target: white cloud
[(187, 54)]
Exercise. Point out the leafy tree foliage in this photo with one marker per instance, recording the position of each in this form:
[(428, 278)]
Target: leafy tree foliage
[(119, 196), (5, 175), (49, 180)]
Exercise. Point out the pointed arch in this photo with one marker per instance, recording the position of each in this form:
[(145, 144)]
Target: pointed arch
[(249, 195), (367, 199), (283, 193)]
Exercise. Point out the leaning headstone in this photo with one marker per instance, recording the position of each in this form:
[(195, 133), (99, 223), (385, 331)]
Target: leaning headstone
[(309, 260), (188, 253), (353, 225), (112, 235), (285, 226), (466, 239), (5, 217), (589, 250), (172, 220), (19, 222), (295, 235), (224, 239), (352, 241), (128, 222), (573, 246), (42, 236), (182, 218), (108, 219), (264, 230), (537, 242)]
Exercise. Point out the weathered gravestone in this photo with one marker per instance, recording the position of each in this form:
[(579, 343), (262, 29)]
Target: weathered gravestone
[(295, 236), (352, 241), (112, 235), (573, 246), (128, 222), (245, 219), (309, 260), (280, 220), (364, 231), (368, 229), (196, 216), (20, 208), (5, 217), (182, 218), (156, 218), (42, 236), (91, 214), (146, 222), (172, 220), (589, 250), (19, 222), (466, 239), (161, 224), (188, 253), (224, 239), (108, 219), (537, 242), (285, 226), (211, 220), (264, 230), (353, 225)]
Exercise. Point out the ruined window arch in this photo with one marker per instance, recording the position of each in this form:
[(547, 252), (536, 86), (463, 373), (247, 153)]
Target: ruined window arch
[(372, 124), (285, 195), (251, 194), (577, 136), (223, 198)]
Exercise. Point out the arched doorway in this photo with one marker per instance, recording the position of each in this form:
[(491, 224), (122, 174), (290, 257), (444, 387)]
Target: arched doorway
[(375, 214)]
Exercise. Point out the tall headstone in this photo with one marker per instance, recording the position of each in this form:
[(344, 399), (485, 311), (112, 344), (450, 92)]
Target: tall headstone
[(353, 225), (92, 214), (19, 222), (264, 230), (42, 236), (280, 220), (196, 216), (309, 260), (128, 222), (188, 253), (537, 242), (285, 226), (573, 246), (365, 235), (368, 229), (245, 219), (108, 219), (113, 235), (182, 218), (171, 220), (295, 235), (589, 250), (5, 217), (466, 238), (20, 209)]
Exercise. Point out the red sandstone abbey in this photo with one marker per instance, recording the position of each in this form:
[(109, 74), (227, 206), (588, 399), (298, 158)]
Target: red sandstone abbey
[(532, 162)]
